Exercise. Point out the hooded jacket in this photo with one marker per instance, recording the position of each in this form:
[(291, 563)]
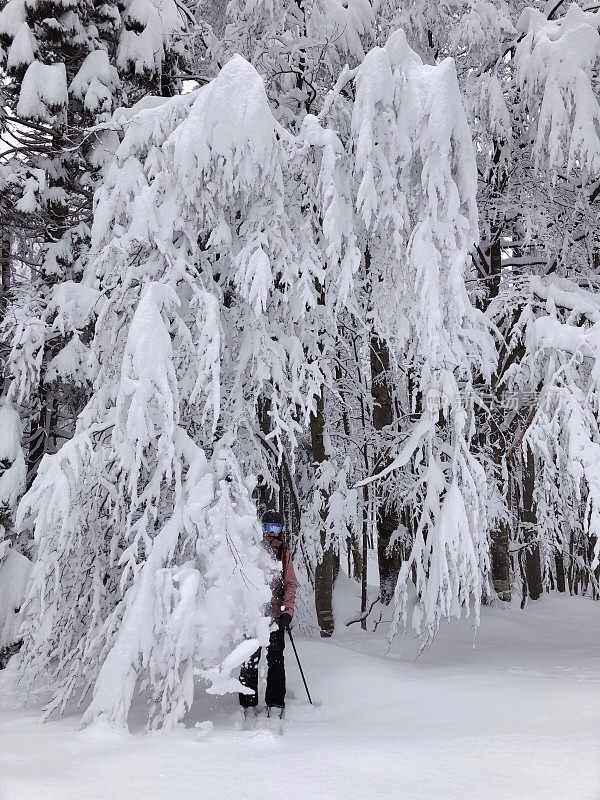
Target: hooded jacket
[(284, 585)]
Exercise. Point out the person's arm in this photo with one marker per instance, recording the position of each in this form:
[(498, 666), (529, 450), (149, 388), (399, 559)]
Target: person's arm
[(290, 584)]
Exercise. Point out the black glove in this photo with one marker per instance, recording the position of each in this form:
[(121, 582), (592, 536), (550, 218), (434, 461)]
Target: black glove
[(284, 621)]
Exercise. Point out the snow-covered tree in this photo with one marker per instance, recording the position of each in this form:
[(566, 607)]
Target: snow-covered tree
[(544, 184), (65, 71), (300, 56), (527, 76), (183, 345), (352, 274), (416, 198)]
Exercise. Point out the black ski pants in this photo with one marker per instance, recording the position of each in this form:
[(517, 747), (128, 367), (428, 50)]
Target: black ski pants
[(275, 693)]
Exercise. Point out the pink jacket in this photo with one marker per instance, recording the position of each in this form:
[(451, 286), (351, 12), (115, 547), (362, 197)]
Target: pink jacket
[(285, 585)]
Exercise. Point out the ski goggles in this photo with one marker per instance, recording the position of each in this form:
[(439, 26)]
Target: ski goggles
[(272, 527)]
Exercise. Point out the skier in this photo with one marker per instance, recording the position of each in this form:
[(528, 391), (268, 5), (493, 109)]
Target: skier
[(281, 609)]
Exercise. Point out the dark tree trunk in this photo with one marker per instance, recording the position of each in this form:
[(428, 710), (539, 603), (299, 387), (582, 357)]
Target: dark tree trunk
[(40, 435), (533, 567), (5, 281), (326, 569), (501, 561), (364, 588), (500, 556), (387, 517), (355, 557), (490, 267), (267, 498), (5, 272), (495, 260), (560, 572)]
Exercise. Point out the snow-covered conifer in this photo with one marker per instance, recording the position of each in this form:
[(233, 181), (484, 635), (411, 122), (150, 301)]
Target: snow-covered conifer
[(66, 71)]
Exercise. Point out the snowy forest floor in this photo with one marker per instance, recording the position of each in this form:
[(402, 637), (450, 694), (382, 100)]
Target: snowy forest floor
[(518, 718)]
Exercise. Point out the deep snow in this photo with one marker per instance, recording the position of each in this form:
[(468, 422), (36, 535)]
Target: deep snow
[(518, 718)]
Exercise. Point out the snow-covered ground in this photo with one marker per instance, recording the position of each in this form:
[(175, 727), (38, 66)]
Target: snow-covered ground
[(518, 718)]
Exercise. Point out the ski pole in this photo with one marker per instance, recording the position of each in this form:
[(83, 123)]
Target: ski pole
[(299, 665)]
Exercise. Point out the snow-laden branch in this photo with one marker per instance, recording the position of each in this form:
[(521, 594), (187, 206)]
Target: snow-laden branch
[(419, 430)]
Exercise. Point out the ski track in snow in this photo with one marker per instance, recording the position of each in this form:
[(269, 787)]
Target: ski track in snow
[(518, 718)]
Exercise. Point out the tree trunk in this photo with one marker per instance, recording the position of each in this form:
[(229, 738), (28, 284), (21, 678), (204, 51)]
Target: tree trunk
[(353, 545), (560, 572), (265, 494), (364, 588), (533, 567), (501, 561), (40, 435), (325, 572), (355, 558), (387, 518), (5, 280), (500, 556), (5, 272)]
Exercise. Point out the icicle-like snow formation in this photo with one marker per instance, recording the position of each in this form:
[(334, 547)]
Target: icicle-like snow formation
[(555, 63), (415, 162)]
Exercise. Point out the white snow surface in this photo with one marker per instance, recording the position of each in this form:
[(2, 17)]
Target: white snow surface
[(516, 718)]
